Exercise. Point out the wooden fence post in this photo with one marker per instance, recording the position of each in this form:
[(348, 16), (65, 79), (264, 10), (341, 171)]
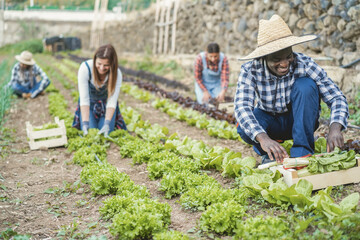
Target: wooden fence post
[(162, 26)]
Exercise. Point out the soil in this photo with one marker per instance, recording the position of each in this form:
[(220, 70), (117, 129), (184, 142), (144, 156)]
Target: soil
[(40, 190)]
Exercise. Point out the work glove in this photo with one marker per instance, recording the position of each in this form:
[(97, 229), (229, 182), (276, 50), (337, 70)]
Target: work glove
[(105, 129), (85, 127)]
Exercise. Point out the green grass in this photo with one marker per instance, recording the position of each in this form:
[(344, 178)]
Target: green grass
[(34, 46), (5, 92)]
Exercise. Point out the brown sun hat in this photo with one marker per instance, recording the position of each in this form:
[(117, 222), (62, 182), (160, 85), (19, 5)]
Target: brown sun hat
[(25, 57), (275, 35)]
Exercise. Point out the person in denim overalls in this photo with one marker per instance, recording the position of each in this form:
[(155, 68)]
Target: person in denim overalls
[(97, 78), (28, 80), (211, 74)]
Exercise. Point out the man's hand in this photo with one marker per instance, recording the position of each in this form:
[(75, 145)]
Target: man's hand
[(272, 148), (335, 137), (221, 96), (206, 97)]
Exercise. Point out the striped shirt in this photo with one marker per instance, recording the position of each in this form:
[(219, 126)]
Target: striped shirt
[(225, 72), (272, 94)]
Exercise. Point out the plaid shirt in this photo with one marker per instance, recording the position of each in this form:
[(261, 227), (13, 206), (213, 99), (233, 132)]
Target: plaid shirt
[(273, 93), (16, 77), (214, 67)]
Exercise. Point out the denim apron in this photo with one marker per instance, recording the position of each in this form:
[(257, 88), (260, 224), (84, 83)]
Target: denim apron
[(211, 79)]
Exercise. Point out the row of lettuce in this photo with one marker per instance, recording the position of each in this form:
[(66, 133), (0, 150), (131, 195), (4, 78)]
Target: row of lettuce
[(180, 165)]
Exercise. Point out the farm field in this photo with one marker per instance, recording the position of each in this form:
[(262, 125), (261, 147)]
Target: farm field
[(168, 179)]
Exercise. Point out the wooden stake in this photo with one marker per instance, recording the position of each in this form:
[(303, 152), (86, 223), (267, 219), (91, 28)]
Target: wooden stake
[(161, 33), (156, 27), (168, 10), (173, 35)]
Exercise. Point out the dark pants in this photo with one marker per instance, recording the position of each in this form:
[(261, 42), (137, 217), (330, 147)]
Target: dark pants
[(298, 124)]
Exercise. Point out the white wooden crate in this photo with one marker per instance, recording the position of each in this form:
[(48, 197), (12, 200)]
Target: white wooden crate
[(323, 180), (34, 136)]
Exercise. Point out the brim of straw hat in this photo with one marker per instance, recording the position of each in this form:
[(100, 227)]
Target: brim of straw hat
[(31, 62), (277, 45)]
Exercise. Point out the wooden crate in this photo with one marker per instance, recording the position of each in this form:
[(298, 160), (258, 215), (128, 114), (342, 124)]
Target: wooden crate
[(229, 106), (319, 181), (34, 136)]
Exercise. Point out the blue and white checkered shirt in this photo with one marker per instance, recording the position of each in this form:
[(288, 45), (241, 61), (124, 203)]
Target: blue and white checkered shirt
[(272, 94), (25, 80)]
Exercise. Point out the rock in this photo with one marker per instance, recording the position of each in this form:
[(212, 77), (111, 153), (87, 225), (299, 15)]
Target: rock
[(301, 13), (349, 57), (352, 29), (335, 10), (315, 45), (350, 3), (358, 44), (219, 5), (293, 18), (336, 40), (284, 11), (351, 83), (228, 26), (337, 2), (294, 3), (241, 26), (345, 16), (354, 13), (325, 4), (309, 28), (253, 24), (311, 12), (348, 47), (258, 6), (333, 53), (319, 23), (336, 74), (301, 23), (341, 25), (329, 20)]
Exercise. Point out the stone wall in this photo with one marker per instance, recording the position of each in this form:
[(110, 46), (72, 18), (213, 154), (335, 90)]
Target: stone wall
[(234, 24)]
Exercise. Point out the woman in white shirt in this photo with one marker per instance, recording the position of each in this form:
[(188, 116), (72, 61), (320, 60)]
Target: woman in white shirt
[(99, 81)]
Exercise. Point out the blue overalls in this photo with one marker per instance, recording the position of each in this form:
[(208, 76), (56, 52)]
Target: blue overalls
[(97, 108), (211, 79)]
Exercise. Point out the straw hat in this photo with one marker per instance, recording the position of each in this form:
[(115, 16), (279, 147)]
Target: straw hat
[(26, 58), (275, 35)]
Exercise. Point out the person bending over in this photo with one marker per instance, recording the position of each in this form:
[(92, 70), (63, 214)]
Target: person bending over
[(99, 82), (211, 74)]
